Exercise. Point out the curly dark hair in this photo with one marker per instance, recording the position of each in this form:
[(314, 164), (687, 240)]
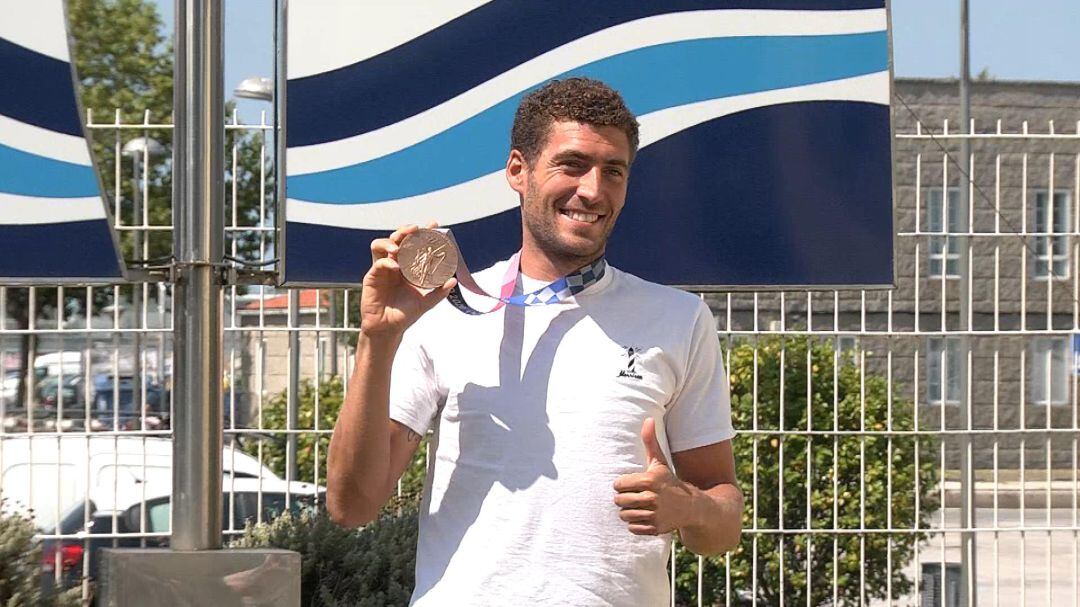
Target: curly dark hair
[(581, 100)]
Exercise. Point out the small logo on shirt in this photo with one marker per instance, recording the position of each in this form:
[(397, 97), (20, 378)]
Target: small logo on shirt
[(630, 370)]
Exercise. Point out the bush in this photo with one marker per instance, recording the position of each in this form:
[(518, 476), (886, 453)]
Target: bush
[(331, 395), (833, 460), (20, 566), (369, 567), (274, 415)]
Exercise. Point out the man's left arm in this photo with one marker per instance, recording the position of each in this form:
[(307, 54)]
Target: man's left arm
[(703, 502)]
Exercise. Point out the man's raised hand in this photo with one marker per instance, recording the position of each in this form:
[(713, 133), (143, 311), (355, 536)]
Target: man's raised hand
[(388, 303), (654, 501)]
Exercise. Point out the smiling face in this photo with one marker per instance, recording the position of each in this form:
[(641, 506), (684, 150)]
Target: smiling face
[(570, 196)]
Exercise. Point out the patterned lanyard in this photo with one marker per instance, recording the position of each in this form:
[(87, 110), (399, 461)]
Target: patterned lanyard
[(559, 291)]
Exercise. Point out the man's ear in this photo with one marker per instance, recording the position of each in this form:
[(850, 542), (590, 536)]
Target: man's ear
[(516, 169)]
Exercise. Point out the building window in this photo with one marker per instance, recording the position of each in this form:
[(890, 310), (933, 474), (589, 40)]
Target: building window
[(944, 250), (847, 345), (1049, 371), (943, 369), (1059, 256)]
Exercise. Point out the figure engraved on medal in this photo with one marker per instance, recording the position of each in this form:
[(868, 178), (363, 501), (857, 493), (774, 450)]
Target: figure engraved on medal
[(427, 258)]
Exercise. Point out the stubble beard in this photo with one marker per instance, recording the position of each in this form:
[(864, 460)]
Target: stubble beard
[(543, 229)]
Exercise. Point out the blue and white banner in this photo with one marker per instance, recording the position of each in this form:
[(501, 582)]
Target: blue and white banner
[(53, 221), (765, 134)]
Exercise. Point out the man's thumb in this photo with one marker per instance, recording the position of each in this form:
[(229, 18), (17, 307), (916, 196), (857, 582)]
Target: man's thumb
[(653, 453)]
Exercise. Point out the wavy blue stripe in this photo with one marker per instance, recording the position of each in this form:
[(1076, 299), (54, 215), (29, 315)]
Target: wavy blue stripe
[(45, 251), (822, 207), (677, 74), (28, 174), (37, 89), (469, 50)]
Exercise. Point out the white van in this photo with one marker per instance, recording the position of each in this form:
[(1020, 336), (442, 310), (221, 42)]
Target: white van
[(47, 475), (70, 363)]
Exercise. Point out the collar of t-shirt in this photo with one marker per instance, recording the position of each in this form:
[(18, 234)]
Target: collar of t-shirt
[(528, 284)]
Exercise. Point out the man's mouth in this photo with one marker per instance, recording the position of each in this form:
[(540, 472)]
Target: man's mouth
[(580, 216)]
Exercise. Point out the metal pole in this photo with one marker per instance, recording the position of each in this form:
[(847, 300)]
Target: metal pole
[(292, 470), (968, 569), (198, 214), (333, 334), (136, 299)]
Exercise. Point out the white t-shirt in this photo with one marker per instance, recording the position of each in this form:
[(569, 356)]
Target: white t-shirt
[(536, 412)]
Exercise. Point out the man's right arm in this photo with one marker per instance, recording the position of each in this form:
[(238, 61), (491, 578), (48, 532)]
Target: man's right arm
[(369, 451)]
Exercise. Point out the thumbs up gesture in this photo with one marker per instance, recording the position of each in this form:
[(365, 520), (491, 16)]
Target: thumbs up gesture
[(655, 501)]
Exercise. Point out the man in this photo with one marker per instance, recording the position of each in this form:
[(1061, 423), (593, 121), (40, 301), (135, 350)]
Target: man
[(558, 428)]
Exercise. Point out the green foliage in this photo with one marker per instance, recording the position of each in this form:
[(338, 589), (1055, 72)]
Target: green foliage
[(369, 567), (328, 397), (124, 63), (20, 566), (330, 394), (121, 57), (869, 476)]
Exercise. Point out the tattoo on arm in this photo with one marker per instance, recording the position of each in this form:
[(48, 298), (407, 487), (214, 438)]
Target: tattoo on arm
[(412, 436)]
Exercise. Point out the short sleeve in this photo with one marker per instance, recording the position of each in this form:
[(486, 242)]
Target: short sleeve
[(414, 387), (701, 411)]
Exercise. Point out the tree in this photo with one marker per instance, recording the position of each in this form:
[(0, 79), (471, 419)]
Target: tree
[(858, 471), (311, 447)]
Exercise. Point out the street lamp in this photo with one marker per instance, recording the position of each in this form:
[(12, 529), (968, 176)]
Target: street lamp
[(139, 149), (255, 87)]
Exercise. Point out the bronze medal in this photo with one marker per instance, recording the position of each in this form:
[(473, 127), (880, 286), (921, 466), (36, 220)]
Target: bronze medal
[(427, 258)]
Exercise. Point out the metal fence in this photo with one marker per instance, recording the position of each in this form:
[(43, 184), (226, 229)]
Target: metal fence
[(856, 409)]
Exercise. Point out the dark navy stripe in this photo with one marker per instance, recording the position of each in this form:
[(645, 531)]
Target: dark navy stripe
[(37, 89), (327, 254), (796, 194), (77, 249), (469, 50)]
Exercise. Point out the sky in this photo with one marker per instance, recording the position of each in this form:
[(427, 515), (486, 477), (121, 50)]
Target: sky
[(1011, 39)]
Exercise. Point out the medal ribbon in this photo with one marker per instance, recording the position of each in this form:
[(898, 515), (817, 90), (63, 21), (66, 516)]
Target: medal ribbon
[(558, 291)]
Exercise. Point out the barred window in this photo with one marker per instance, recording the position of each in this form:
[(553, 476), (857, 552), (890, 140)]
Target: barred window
[(1052, 220), (1049, 371), (944, 250), (943, 369)]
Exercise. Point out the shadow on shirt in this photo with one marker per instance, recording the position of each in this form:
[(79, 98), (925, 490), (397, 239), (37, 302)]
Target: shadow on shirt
[(504, 437)]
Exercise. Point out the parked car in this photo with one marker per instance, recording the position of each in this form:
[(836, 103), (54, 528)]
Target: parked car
[(95, 525), (123, 415), (63, 401), (51, 392), (48, 475), (9, 388)]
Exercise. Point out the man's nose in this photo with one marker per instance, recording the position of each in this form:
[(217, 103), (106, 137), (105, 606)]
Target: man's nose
[(588, 189)]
